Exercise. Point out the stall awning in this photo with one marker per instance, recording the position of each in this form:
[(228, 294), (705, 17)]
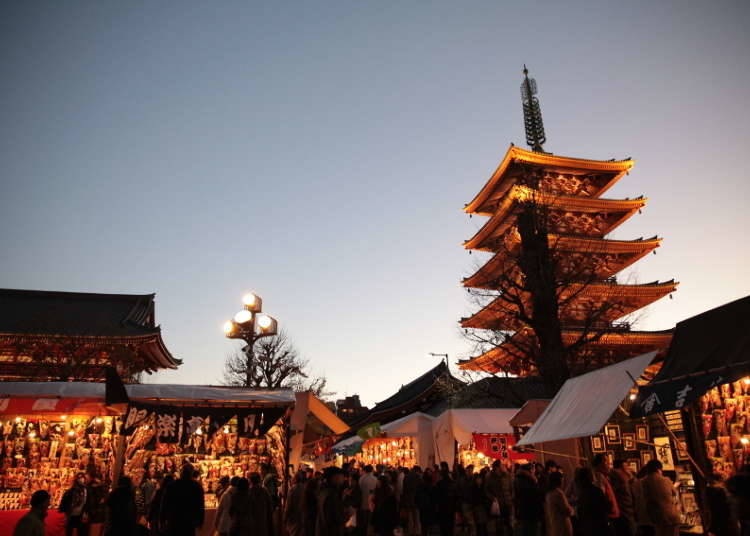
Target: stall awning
[(530, 412), (585, 403), (707, 350)]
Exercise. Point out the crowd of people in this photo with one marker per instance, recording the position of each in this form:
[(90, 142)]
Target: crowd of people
[(524, 500)]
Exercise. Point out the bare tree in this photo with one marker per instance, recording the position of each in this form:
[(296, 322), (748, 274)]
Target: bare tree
[(275, 363), (542, 289)]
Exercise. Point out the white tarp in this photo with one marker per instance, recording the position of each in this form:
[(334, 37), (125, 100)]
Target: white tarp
[(584, 404), (459, 424), (408, 426), (146, 391)]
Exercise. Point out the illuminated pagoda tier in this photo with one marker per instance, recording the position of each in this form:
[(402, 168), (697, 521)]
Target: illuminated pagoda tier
[(63, 336), (568, 193)]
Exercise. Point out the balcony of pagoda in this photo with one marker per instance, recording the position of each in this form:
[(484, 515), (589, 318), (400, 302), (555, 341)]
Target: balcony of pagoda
[(603, 349), (599, 304), (566, 215), (557, 174), (576, 258)]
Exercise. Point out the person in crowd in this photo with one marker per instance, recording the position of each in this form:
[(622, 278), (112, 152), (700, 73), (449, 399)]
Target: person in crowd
[(223, 520), (312, 487), (155, 520), (659, 495), (122, 517), (224, 483), (271, 483), (97, 505), (262, 507), (445, 501), (528, 502), (721, 519), (331, 516), (593, 506), (367, 484), (425, 500), (74, 505), (602, 469), (739, 493), (621, 480), (498, 486), (644, 526), (183, 505), (241, 520), (385, 516), (479, 504), (544, 472), (411, 482), (557, 510), (464, 478), (294, 509), (32, 524), (352, 497)]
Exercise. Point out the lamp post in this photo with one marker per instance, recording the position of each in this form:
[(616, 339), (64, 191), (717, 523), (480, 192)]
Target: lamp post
[(433, 354), (249, 325)]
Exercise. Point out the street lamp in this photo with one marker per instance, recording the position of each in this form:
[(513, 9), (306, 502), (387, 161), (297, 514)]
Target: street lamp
[(249, 325)]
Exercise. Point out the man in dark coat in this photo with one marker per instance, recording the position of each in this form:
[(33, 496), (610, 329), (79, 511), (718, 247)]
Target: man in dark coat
[(331, 510), (183, 507), (528, 502)]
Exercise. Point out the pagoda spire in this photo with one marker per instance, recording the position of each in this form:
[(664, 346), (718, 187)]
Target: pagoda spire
[(532, 114)]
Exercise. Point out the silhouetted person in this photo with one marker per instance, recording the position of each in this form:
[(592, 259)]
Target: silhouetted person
[(74, 504), (121, 517), (32, 524), (593, 505), (262, 507), (155, 512), (183, 506)]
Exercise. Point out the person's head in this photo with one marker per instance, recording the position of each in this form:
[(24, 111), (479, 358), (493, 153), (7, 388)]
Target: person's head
[(224, 481), (584, 477), (186, 473), (124, 482), (40, 502), (80, 479), (601, 463), (167, 480), (369, 469), (469, 470), (551, 466), (234, 481), (654, 466), (242, 485), (255, 479), (555, 480)]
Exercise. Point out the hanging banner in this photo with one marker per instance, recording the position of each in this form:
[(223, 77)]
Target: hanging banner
[(500, 447), (676, 394), (176, 424)]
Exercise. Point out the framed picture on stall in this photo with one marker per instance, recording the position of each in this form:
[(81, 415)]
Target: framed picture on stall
[(641, 432), (634, 464), (682, 452), (628, 442), (597, 443), (610, 457), (664, 453), (613, 434), (646, 456)]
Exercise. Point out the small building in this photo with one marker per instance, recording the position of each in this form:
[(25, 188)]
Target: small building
[(350, 409), (66, 336)]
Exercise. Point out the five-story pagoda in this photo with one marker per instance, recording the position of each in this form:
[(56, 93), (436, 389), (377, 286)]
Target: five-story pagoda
[(550, 302)]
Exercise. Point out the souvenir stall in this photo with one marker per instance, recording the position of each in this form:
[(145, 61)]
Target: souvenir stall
[(56, 429), (474, 436), (705, 382), (314, 428), (594, 408)]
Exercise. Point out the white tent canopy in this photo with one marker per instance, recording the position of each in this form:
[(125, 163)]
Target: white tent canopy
[(584, 404), (147, 391), (459, 424)]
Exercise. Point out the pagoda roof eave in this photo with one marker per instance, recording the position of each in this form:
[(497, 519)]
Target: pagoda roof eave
[(517, 154), (502, 218)]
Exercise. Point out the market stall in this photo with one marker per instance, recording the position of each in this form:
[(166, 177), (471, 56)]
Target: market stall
[(52, 430), (705, 381), (594, 408)]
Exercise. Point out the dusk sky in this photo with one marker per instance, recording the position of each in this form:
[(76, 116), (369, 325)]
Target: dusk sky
[(320, 153)]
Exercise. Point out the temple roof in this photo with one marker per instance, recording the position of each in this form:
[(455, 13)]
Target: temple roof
[(419, 394), (37, 315), (503, 177), (605, 348), (593, 216), (579, 303)]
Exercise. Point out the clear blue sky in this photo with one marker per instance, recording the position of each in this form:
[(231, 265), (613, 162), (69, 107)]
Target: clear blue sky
[(320, 153)]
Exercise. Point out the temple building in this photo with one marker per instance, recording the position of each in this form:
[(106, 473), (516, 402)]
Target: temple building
[(568, 196), (66, 336)]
